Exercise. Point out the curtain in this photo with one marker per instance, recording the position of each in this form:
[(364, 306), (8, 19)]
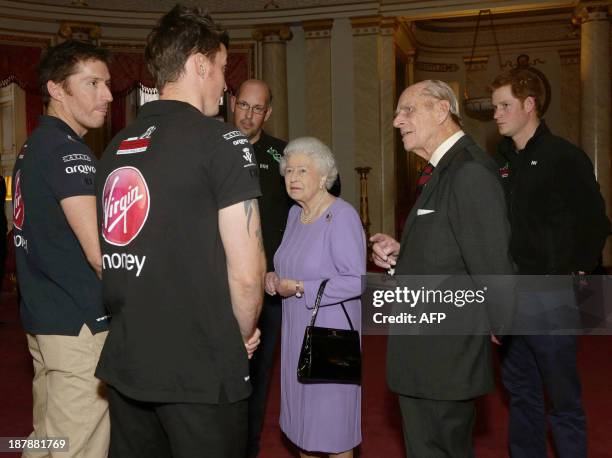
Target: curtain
[(18, 64)]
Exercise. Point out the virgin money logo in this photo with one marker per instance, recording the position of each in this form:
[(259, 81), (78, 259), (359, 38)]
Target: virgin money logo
[(18, 207), (126, 203)]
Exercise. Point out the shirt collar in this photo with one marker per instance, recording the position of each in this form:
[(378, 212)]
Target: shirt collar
[(444, 147), (54, 121), (541, 130), (507, 148), (262, 137), (165, 106)]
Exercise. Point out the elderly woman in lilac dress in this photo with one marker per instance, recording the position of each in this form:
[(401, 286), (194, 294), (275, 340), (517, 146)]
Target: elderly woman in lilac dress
[(324, 239)]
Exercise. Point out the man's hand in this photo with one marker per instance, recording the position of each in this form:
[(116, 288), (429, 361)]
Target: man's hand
[(252, 343), (385, 250), (271, 283)]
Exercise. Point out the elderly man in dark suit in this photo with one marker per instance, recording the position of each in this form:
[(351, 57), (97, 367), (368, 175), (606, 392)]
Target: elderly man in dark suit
[(457, 227)]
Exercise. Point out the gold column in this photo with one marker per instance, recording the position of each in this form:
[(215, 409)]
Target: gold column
[(595, 85), (318, 79), (374, 70), (364, 210), (570, 94), (274, 49), (388, 27)]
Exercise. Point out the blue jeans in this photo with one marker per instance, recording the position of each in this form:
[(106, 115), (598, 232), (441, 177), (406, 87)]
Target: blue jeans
[(531, 365)]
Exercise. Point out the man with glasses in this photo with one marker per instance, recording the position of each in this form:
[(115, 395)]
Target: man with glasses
[(252, 107)]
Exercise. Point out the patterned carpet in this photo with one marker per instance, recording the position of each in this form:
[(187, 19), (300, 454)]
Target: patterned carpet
[(381, 419)]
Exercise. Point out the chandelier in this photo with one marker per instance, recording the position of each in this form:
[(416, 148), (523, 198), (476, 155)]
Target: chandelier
[(477, 107)]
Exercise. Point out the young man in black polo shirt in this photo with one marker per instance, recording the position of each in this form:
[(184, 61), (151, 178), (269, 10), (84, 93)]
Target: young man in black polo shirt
[(559, 227), (252, 107), (182, 256), (58, 252)]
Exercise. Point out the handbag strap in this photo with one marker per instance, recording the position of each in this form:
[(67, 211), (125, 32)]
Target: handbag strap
[(315, 310)]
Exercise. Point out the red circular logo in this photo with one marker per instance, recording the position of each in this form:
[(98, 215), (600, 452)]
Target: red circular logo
[(18, 207), (125, 205)]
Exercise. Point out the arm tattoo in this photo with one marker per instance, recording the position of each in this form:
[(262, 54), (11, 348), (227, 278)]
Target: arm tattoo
[(251, 208), (260, 238)]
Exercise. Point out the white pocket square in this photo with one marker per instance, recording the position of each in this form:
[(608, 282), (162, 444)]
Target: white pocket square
[(424, 211)]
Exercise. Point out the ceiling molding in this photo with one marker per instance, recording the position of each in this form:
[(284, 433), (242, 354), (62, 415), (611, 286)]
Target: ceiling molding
[(436, 9), (233, 19), (430, 15)]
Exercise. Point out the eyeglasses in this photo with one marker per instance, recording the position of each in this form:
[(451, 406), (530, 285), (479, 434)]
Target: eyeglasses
[(257, 109)]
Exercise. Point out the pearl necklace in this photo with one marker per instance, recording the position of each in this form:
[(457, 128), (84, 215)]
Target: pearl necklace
[(307, 219)]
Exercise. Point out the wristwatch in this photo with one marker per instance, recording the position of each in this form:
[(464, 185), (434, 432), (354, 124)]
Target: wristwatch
[(298, 293)]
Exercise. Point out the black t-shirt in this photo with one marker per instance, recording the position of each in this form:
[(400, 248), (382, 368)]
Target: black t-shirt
[(59, 290), (162, 180), (274, 204)]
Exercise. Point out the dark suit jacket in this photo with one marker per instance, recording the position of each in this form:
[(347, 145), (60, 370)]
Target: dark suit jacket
[(466, 235)]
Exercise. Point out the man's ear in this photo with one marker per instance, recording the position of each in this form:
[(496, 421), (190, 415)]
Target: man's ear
[(268, 113), (529, 104), (443, 110), (233, 103), (56, 91), (201, 64)]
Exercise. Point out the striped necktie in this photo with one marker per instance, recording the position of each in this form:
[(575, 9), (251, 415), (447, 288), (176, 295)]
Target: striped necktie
[(424, 178)]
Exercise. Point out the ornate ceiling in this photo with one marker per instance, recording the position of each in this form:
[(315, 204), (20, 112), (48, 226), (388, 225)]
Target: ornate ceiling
[(210, 5)]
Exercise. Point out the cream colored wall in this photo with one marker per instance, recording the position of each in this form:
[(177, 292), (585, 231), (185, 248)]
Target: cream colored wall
[(296, 82), (343, 108), (343, 99)]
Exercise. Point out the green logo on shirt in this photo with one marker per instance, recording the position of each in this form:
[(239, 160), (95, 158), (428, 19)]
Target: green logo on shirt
[(275, 154)]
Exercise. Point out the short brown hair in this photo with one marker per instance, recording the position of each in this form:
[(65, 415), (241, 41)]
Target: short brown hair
[(180, 33), (61, 61), (523, 83)]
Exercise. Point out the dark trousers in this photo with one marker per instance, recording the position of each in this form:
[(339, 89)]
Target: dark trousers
[(437, 429), (260, 368), (530, 365), (153, 430)]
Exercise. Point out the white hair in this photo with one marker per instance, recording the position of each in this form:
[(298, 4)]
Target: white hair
[(441, 91), (318, 152)]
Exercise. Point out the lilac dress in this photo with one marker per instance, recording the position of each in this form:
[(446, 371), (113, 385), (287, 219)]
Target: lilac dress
[(320, 417)]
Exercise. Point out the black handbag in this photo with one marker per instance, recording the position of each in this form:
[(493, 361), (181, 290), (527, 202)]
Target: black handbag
[(329, 355)]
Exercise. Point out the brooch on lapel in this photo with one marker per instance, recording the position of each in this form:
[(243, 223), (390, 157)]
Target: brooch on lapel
[(505, 170), (328, 218)]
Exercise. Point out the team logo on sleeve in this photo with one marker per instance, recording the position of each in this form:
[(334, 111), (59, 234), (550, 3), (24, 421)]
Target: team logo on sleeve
[(248, 157), (232, 134), (134, 145), (125, 203), (18, 207)]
